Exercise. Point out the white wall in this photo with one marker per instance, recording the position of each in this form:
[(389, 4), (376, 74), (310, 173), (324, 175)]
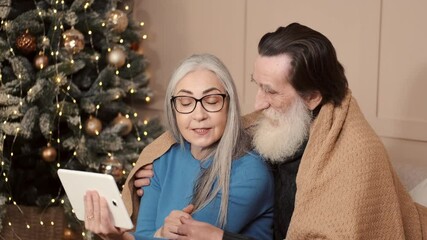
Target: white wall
[(380, 43)]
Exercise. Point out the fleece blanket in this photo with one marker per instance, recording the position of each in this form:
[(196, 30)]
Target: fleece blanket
[(346, 186)]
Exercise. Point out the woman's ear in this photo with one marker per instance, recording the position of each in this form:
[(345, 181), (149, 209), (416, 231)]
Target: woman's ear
[(313, 100)]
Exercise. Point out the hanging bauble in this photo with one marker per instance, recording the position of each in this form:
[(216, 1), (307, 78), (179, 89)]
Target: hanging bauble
[(124, 123), (69, 234), (117, 57), (41, 61), (134, 46), (73, 40), (126, 6), (26, 43), (49, 153), (112, 166), (93, 126), (117, 20)]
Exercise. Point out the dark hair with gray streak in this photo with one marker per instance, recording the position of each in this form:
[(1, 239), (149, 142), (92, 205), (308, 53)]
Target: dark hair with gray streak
[(315, 66)]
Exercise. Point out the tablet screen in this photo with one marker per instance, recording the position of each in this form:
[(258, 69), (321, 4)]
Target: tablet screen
[(77, 183)]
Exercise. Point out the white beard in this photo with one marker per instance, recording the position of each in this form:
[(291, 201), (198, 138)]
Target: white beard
[(278, 136)]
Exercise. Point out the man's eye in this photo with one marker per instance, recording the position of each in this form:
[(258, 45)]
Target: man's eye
[(269, 91)]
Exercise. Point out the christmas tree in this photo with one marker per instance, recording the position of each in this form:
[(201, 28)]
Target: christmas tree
[(71, 73)]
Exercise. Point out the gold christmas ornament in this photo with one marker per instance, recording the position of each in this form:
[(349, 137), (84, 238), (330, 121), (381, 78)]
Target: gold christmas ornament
[(125, 122), (41, 61), (73, 41), (93, 126), (49, 153), (112, 166), (69, 234), (117, 57), (117, 20), (26, 43)]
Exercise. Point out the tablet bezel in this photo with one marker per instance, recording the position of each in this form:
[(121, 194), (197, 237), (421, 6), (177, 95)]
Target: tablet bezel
[(77, 183)]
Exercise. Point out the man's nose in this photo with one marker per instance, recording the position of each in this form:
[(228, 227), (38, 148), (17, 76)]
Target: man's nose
[(261, 101)]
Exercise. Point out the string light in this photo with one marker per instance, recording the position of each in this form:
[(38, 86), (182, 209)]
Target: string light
[(58, 80)]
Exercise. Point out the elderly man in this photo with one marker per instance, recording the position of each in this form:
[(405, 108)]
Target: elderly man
[(333, 179)]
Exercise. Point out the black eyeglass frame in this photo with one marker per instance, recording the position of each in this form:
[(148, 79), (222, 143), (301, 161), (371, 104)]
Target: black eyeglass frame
[(223, 95)]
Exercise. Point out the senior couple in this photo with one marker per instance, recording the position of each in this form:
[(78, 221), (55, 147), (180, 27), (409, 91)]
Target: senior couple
[(305, 165)]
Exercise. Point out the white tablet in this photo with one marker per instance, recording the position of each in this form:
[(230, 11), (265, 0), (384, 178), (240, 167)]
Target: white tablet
[(77, 183)]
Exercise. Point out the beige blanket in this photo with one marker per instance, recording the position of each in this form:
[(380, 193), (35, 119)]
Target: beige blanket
[(346, 187)]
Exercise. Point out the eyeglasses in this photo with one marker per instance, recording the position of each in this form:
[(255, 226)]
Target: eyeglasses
[(187, 104)]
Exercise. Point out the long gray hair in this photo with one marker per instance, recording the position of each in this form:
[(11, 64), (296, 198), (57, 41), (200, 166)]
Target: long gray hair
[(233, 144)]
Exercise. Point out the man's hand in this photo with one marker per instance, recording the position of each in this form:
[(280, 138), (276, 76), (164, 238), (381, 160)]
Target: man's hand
[(170, 226), (191, 229), (142, 178)]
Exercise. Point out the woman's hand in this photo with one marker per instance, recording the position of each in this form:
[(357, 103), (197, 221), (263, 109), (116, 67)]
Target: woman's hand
[(191, 229), (169, 229), (98, 218)]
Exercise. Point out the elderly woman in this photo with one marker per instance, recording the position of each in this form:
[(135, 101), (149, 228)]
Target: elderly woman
[(208, 172)]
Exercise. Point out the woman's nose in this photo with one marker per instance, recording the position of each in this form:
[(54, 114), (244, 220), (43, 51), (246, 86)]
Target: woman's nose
[(199, 112)]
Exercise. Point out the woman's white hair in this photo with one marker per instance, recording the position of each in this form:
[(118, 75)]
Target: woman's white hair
[(233, 143)]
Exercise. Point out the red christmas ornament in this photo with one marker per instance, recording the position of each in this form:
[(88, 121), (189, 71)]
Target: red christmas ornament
[(134, 46), (26, 43)]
